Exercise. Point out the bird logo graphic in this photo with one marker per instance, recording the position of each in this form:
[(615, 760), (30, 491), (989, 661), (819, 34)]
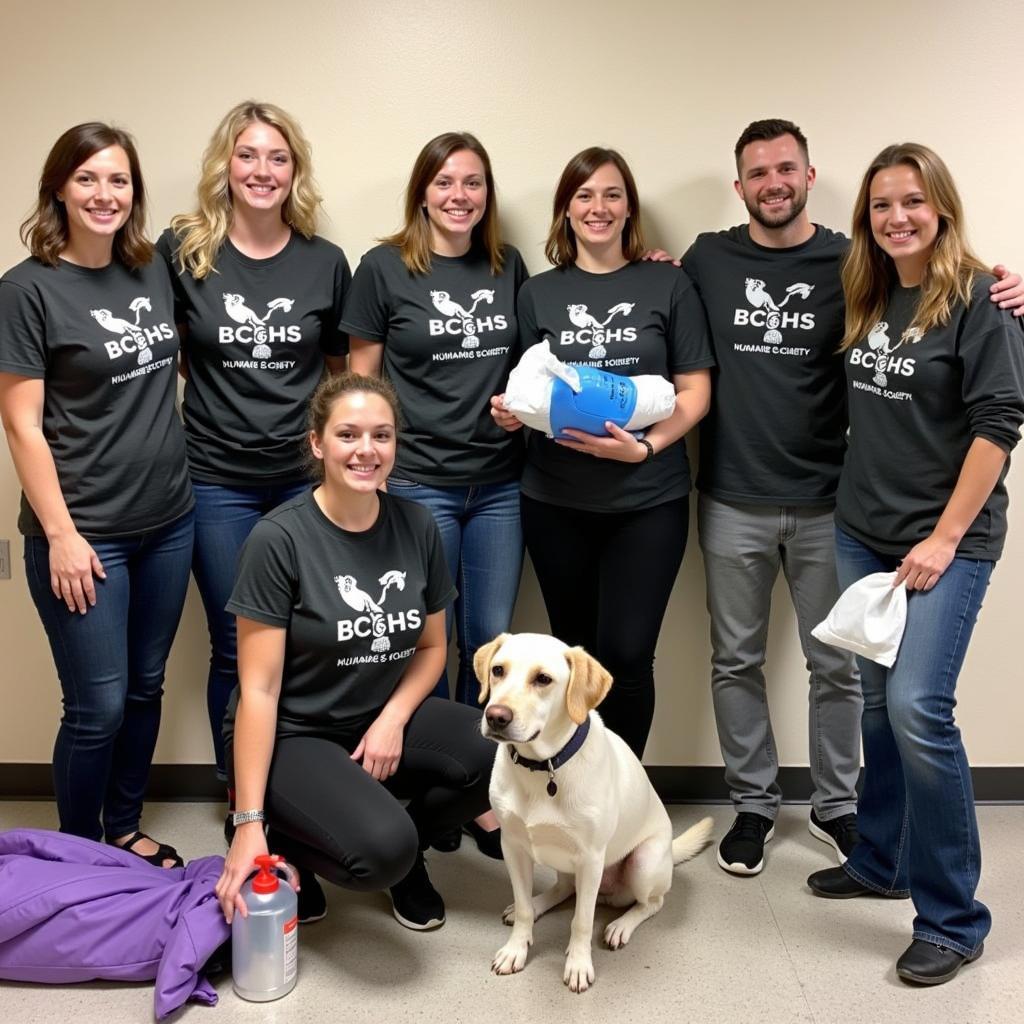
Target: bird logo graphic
[(116, 325), (758, 297), (447, 306), (580, 317), (236, 308), (360, 601), (878, 342)]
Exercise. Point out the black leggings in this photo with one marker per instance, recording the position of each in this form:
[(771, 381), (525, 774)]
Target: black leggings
[(606, 578), (327, 815)]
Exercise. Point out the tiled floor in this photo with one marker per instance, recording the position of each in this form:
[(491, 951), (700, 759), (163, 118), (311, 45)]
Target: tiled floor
[(756, 950)]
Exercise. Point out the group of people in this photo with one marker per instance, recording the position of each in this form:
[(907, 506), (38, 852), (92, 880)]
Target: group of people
[(857, 400)]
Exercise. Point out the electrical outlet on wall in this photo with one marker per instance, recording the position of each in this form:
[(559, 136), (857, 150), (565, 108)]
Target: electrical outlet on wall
[(5, 559)]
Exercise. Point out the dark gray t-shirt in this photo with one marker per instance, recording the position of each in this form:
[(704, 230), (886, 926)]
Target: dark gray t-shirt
[(450, 338), (354, 605), (916, 404), (776, 430), (258, 331), (645, 318), (104, 344)]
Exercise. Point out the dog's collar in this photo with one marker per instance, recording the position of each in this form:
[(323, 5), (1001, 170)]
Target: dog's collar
[(575, 742)]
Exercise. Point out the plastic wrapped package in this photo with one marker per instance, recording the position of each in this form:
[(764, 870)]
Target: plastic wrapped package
[(549, 395)]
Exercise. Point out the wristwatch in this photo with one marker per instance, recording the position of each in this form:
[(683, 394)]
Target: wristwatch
[(244, 817), (650, 448)]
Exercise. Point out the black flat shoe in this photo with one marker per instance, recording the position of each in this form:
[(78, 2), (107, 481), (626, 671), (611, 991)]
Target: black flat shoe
[(163, 851), (447, 842), (488, 843), (836, 884), (924, 963)]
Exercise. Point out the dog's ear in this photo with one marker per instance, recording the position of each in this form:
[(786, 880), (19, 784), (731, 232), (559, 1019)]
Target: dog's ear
[(589, 683), (482, 664)]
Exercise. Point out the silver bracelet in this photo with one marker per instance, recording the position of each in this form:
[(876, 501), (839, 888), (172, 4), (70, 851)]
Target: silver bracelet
[(244, 817)]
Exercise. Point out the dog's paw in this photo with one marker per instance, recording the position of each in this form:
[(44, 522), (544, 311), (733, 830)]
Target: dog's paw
[(508, 915), (617, 934), (511, 958), (579, 970)]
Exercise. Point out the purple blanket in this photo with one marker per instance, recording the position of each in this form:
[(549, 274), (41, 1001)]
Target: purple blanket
[(75, 910)]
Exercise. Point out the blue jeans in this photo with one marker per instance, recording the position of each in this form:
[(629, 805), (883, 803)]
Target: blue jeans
[(918, 829), (225, 517), (110, 663), (483, 545)]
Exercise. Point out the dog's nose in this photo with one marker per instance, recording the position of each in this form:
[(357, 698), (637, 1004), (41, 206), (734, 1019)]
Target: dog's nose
[(498, 716)]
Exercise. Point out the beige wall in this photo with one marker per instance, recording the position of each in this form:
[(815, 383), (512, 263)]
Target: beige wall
[(669, 83)]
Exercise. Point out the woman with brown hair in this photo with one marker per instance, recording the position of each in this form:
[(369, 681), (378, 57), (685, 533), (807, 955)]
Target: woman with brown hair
[(258, 300), (935, 388), (88, 356), (433, 308), (605, 517), (340, 597)]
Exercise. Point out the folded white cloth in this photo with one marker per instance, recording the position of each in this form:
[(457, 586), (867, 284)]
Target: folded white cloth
[(528, 393), (868, 619)]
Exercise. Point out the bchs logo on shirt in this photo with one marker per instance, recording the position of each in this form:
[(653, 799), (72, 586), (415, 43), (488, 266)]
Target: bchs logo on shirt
[(254, 329), (460, 320), (374, 622), (134, 338), (595, 332), (768, 313), (880, 353)]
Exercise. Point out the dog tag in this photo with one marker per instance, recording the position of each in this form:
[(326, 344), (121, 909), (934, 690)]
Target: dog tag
[(552, 788)]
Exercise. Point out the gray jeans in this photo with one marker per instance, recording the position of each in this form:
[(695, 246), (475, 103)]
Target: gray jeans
[(744, 546)]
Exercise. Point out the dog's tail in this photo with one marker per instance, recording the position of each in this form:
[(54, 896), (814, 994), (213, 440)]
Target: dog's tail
[(692, 841)]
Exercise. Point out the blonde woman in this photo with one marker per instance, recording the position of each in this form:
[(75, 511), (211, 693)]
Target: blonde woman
[(935, 386), (258, 300)]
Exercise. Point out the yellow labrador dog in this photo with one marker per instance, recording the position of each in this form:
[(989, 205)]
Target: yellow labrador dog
[(570, 794)]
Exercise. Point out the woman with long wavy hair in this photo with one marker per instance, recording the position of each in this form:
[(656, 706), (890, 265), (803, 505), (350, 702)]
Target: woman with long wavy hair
[(258, 301), (433, 308), (87, 393), (935, 385)]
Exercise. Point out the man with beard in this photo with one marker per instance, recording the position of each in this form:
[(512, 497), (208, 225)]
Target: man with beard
[(771, 450)]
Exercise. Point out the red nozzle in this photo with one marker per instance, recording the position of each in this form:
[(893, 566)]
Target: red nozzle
[(267, 880)]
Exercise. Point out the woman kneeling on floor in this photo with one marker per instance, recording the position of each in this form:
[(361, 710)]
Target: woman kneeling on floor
[(340, 597)]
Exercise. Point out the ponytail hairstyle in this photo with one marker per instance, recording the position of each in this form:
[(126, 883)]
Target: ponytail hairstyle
[(330, 389)]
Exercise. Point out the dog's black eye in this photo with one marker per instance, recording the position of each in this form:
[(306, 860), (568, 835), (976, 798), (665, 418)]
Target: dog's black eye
[(498, 671), (542, 679)]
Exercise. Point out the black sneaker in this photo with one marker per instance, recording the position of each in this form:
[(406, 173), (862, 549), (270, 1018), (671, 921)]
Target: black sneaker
[(415, 902), (840, 833), (312, 901), (447, 842), (741, 851)]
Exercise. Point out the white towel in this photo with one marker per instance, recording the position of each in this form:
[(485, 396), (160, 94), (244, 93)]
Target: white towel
[(868, 619)]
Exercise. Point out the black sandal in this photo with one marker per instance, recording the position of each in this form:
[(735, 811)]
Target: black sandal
[(163, 851)]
